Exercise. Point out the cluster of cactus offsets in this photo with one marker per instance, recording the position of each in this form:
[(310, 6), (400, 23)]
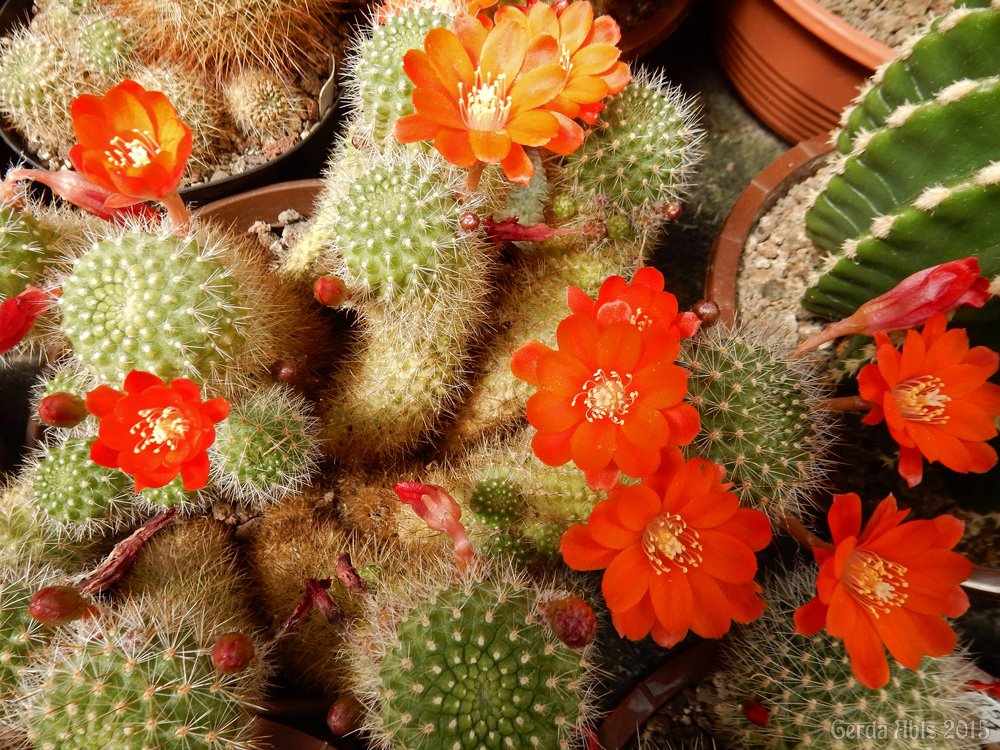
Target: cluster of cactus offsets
[(775, 448), (25, 536), (223, 36), (377, 89), (263, 105), (442, 662), (105, 45), (21, 635), (127, 680), (887, 211), (637, 159), (807, 687), (198, 307), (267, 448)]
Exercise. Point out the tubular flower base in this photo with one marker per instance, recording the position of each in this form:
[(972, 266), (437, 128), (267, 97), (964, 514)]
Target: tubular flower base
[(480, 95), (678, 560), (18, 314), (586, 47), (130, 143), (154, 431), (935, 399), (893, 584)]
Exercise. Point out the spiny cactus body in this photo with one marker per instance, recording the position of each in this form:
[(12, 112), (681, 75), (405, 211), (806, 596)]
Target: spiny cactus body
[(20, 634), (105, 46), (470, 663), (24, 248), (267, 447), (761, 418), (888, 210), (27, 537), (813, 699), (264, 105)]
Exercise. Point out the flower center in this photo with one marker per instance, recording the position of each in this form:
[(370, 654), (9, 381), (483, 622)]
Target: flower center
[(639, 319), (485, 107), (606, 396), (876, 584), (920, 399), (669, 543), (160, 427), (134, 153), (564, 59)]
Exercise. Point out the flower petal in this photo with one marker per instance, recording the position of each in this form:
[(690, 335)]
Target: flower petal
[(626, 579), (726, 558), (532, 128), (535, 88), (581, 552), (454, 146), (490, 146)]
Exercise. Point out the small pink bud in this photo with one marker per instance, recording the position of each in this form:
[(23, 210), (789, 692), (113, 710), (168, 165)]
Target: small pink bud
[(62, 410), (573, 621), (756, 713), (232, 653), (707, 311), (283, 371), (343, 716), (57, 605), (672, 210), (330, 291), (469, 221), (18, 314), (440, 512)]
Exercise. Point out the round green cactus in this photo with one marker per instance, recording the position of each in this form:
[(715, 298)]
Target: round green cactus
[(77, 495), (161, 304), (813, 699), (105, 46), (761, 417), (495, 502), (20, 633), (264, 105), (26, 538), (267, 447), (25, 246)]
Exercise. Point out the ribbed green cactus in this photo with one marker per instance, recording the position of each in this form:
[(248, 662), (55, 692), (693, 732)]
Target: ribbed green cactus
[(20, 634), (105, 45), (761, 417), (495, 502), (156, 303), (377, 88), (469, 664), (79, 497), (26, 538), (24, 248), (267, 448), (263, 105), (814, 701), (917, 183)]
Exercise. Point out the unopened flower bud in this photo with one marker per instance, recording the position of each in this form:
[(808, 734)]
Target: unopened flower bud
[(62, 410), (57, 605), (755, 713), (343, 716), (469, 221), (707, 311), (283, 371), (671, 210), (330, 291), (232, 653), (573, 621)]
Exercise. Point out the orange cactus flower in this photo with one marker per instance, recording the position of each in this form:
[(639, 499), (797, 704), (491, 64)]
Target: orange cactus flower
[(585, 46), (890, 584), (155, 431), (131, 143), (680, 558), (609, 398), (643, 303), (479, 96), (935, 399)]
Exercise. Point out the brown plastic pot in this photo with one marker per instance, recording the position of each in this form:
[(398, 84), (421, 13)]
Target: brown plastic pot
[(794, 63), (645, 37), (766, 189), (263, 204)]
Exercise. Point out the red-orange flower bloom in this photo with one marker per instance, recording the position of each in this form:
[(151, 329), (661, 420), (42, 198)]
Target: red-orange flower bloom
[(643, 303), (479, 95), (893, 584), (586, 47), (935, 399), (130, 142), (609, 398), (155, 431), (677, 560)]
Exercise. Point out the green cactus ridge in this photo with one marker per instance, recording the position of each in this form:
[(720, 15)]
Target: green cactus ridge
[(641, 153), (160, 304), (25, 246), (475, 666), (76, 495), (267, 448), (806, 684), (378, 90), (495, 502), (130, 683), (761, 418)]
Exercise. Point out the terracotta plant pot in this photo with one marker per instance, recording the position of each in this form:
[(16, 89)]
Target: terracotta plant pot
[(643, 38), (766, 189), (794, 63), (263, 204), (306, 158)]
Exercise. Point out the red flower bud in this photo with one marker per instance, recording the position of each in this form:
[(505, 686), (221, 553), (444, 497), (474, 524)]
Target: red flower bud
[(62, 410), (232, 653), (57, 605), (18, 314), (343, 716), (911, 303), (440, 512), (573, 621), (755, 713), (330, 291)]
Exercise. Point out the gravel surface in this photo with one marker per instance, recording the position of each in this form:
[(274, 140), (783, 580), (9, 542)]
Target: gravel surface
[(891, 22)]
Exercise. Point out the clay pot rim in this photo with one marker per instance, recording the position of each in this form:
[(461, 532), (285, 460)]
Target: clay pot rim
[(757, 199), (263, 203), (645, 37), (838, 33)]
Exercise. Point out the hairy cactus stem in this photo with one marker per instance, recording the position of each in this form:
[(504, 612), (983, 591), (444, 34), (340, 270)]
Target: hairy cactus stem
[(508, 230), (124, 555)]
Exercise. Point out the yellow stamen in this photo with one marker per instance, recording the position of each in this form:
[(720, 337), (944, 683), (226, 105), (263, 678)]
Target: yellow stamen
[(485, 107), (606, 396), (160, 427), (876, 584), (137, 152), (669, 544), (920, 399)]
